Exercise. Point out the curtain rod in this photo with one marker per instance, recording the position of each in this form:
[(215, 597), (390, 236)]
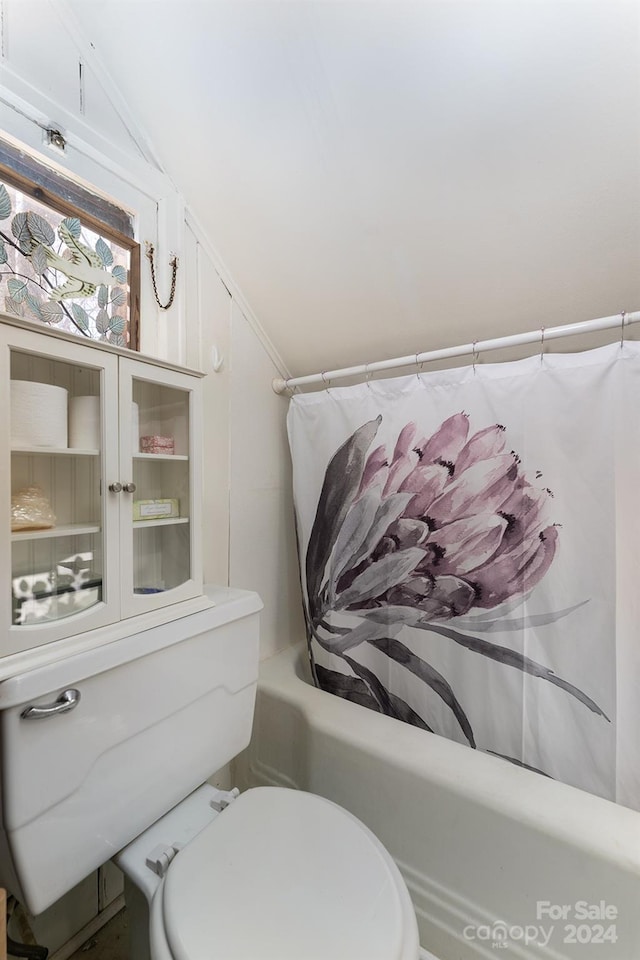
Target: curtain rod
[(543, 334)]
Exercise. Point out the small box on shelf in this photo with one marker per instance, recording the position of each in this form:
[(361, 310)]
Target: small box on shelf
[(162, 509), (157, 444)]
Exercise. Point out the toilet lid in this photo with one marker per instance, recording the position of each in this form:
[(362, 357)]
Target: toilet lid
[(285, 875)]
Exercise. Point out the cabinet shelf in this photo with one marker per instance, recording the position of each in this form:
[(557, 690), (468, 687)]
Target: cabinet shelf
[(64, 530), (159, 456), (161, 522), (56, 451)]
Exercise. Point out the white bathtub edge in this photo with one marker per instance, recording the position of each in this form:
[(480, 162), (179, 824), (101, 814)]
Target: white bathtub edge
[(564, 811), (527, 838)]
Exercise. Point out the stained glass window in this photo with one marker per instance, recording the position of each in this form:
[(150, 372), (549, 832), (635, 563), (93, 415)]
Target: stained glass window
[(62, 267)]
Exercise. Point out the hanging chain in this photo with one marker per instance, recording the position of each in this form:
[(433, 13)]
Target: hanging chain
[(174, 273)]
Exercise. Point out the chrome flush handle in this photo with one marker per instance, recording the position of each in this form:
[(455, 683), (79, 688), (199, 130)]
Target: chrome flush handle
[(68, 700)]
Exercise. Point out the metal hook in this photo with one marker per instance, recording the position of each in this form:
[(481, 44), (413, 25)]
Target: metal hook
[(475, 356), (419, 366), (623, 317), (367, 376), (541, 344), (327, 384)]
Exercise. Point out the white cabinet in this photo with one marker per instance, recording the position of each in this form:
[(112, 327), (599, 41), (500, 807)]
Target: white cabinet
[(109, 443)]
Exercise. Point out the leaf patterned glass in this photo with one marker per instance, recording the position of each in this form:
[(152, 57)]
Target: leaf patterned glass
[(56, 270)]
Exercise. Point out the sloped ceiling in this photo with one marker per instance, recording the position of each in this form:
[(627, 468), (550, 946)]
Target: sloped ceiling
[(387, 177)]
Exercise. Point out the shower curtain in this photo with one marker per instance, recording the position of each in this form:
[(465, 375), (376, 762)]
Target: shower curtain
[(469, 544)]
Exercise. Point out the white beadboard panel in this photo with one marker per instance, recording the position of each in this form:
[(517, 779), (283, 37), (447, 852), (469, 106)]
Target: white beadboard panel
[(262, 559), (264, 463), (262, 553), (208, 315), (169, 324), (192, 304)]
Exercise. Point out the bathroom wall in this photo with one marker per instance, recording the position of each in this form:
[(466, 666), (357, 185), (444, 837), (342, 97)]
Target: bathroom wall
[(262, 548), (49, 77), (249, 537)]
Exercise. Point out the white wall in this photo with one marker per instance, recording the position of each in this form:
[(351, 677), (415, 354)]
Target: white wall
[(262, 545), (208, 308), (249, 538)]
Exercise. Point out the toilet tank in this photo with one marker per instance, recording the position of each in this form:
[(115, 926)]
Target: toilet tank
[(159, 712)]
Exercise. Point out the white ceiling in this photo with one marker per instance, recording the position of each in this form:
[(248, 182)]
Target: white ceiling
[(387, 177)]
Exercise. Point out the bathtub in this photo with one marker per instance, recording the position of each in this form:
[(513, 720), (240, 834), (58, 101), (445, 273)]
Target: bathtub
[(499, 861)]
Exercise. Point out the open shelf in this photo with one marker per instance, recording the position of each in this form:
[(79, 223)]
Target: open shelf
[(64, 530), (64, 451), (161, 522), (159, 456)]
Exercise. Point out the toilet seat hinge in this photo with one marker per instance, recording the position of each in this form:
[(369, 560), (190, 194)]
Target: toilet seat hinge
[(161, 856), (223, 798)]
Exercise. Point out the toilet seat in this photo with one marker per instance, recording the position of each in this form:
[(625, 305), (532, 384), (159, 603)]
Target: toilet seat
[(284, 875)]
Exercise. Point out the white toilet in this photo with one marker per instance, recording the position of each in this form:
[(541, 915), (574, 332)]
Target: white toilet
[(118, 770)]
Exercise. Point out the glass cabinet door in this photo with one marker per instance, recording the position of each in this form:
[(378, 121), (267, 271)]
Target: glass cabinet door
[(157, 432), (56, 512)]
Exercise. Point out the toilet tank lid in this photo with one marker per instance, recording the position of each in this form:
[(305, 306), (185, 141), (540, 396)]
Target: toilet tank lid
[(282, 875)]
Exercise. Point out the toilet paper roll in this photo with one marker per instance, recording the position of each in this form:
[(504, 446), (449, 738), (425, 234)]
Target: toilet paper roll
[(84, 423), (38, 414)]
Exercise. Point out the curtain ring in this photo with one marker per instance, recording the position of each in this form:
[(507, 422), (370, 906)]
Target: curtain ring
[(325, 381), (419, 367), (623, 317), (541, 344), (367, 376), (475, 355)]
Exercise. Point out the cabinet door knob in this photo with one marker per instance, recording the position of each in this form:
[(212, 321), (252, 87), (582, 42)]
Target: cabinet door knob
[(129, 487), (115, 487)]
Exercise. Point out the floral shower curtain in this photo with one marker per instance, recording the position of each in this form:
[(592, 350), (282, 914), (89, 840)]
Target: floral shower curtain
[(469, 544)]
